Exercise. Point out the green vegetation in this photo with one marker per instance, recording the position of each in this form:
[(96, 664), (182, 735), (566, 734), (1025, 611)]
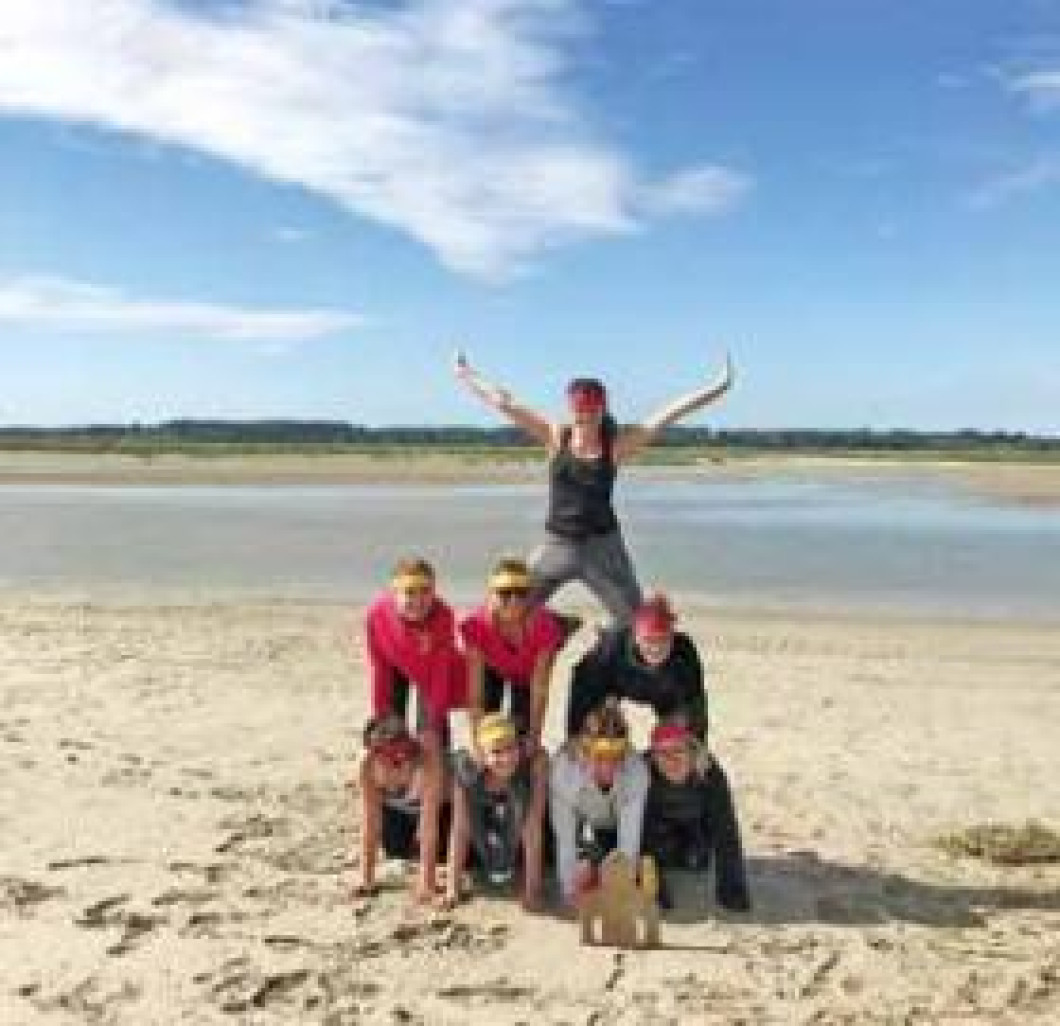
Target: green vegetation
[(679, 445), (1029, 844)]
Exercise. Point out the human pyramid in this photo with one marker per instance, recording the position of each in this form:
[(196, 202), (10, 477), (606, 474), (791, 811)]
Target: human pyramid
[(503, 810)]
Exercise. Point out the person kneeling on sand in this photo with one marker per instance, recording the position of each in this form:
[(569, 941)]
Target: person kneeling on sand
[(410, 635), (498, 808), (402, 782), (598, 787), (689, 817)]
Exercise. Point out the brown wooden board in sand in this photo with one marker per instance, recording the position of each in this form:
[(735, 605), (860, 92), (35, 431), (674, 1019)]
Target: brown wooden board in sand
[(619, 913)]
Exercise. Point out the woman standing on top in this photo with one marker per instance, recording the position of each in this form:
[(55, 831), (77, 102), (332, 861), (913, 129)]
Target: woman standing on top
[(584, 537)]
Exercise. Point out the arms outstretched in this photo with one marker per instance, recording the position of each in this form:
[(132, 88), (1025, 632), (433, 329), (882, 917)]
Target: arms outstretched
[(635, 438), (501, 400)]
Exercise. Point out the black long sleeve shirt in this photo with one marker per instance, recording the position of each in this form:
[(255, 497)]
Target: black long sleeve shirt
[(613, 667)]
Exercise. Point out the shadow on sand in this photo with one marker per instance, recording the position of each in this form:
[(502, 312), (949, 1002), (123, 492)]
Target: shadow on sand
[(802, 887)]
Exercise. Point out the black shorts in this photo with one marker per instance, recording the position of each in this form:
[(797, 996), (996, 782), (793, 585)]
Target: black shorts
[(595, 843), (400, 829)]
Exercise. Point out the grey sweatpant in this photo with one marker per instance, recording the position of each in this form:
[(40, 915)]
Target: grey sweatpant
[(600, 562)]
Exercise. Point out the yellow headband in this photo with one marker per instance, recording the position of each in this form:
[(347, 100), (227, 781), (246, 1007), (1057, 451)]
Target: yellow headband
[(493, 728), (408, 580), (606, 747), (505, 579)]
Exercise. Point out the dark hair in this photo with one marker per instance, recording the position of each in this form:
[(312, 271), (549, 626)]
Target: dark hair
[(381, 729), (593, 386), (606, 721)]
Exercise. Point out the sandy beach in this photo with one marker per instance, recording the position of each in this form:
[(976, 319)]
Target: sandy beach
[(177, 832)]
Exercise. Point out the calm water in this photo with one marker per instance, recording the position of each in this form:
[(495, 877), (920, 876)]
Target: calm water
[(781, 542)]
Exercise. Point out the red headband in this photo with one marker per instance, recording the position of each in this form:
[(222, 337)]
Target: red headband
[(396, 750), (587, 396), (653, 621), (669, 732)]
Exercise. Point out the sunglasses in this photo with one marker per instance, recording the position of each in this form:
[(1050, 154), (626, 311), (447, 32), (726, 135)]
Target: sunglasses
[(512, 594)]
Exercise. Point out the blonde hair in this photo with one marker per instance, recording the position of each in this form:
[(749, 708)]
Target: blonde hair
[(509, 572), (494, 727), (412, 572)]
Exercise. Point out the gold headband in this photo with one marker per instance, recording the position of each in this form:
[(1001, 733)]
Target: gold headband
[(409, 580), (606, 747), (505, 579), (493, 728)]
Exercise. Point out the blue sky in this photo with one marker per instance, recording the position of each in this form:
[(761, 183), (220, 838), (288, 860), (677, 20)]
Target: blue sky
[(297, 208)]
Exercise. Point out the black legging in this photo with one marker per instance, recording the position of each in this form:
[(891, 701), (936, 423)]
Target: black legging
[(519, 700)]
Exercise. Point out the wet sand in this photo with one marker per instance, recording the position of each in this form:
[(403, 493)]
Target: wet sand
[(177, 832), (1036, 484)]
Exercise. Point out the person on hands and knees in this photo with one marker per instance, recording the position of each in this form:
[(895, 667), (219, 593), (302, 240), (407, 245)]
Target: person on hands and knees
[(598, 787), (499, 796), (689, 817), (402, 785)]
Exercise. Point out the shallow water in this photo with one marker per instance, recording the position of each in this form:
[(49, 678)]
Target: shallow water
[(802, 542)]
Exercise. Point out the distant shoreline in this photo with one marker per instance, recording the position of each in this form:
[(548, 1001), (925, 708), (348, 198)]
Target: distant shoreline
[(1021, 482)]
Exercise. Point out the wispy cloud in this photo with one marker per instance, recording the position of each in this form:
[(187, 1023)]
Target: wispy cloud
[(1041, 173), (1041, 88), (450, 120), (58, 303)]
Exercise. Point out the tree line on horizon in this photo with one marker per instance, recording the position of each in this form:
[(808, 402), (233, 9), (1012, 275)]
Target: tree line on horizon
[(177, 435)]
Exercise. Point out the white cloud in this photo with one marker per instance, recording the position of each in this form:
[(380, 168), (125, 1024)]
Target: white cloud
[(1039, 174), (703, 189), (1042, 88), (57, 303), (450, 120), (290, 233)]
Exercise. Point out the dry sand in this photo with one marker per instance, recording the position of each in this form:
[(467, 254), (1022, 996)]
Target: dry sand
[(176, 833)]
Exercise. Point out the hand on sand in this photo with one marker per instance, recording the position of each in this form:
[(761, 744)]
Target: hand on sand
[(532, 903), (449, 900), (365, 890), (426, 893)]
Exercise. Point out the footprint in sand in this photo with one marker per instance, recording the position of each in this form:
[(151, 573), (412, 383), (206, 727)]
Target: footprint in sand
[(493, 990), (109, 912), (245, 991), (212, 872), (87, 1001), (77, 863), (174, 896), (102, 913), (248, 829), (21, 896)]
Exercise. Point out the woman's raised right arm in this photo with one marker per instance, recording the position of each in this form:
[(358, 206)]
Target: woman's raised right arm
[(500, 399)]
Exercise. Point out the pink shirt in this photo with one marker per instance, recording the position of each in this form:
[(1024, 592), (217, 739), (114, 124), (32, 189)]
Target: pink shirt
[(513, 662), (425, 654)]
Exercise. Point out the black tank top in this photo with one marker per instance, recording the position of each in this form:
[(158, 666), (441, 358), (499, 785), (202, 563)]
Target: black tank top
[(579, 490)]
